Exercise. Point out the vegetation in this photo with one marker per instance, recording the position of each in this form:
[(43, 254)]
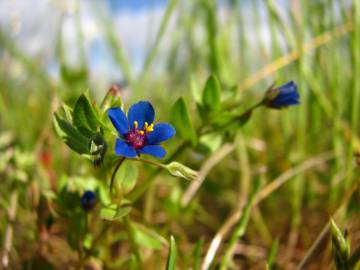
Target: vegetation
[(243, 185)]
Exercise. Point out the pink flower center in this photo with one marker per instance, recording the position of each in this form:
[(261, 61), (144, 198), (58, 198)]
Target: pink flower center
[(136, 138)]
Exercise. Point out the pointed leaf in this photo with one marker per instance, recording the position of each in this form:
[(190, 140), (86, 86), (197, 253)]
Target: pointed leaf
[(72, 137), (180, 118), (126, 177), (212, 94), (85, 117), (144, 238)]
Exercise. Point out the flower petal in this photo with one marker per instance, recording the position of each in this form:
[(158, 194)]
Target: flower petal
[(141, 112), (285, 95), (123, 149), (119, 120), (288, 87), (154, 150), (162, 132)]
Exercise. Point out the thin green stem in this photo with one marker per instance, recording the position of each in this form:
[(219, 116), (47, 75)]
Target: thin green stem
[(114, 173), (136, 194), (131, 234), (154, 163), (248, 113)]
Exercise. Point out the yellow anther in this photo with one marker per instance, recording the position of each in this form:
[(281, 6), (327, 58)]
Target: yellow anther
[(141, 132), (150, 128), (136, 124)]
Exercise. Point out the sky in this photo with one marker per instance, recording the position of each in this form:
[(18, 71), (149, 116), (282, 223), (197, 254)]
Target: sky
[(35, 25)]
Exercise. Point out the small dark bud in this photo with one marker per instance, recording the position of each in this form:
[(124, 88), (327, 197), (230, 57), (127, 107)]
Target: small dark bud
[(88, 200), (282, 96)]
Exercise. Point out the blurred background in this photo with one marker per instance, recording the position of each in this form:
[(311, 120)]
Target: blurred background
[(53, 50)]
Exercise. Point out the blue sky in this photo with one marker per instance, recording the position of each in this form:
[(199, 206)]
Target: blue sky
[(134, 5), (135, 22)]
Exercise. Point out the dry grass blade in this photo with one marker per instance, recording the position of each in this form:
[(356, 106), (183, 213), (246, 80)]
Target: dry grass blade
[(214, 159), (293, 56), (265, 192), (318, 243)]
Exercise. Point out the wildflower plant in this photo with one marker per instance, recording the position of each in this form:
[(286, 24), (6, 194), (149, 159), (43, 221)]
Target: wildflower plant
[(114, 139), (138, 134)]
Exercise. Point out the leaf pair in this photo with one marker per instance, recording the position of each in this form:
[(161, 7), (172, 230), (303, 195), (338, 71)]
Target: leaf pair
[(79, 127)]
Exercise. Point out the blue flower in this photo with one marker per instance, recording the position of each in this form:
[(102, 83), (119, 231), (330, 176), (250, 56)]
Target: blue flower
[(138, 133), (88, 200), (282, 96)]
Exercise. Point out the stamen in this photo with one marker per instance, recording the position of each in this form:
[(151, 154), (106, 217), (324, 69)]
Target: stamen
[(141, 132), (136, 124), (150, 128)]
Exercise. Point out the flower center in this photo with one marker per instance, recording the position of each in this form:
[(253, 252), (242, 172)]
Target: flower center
[(137, 137)]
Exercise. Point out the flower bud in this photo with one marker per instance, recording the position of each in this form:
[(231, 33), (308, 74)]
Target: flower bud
[(179, 170), (340, 246), (113, 97), (282, 96), (88, 200)]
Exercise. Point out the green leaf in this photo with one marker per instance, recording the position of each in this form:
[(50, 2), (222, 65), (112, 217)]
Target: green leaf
[(122, 212), (273, 252), (108, 212), (113, 212), (195, 90), (211, 98), (72, 137), (144, 238), (211, 141), (180, 118), (85, 117), (127, 176), (171, 261), (197, 254)]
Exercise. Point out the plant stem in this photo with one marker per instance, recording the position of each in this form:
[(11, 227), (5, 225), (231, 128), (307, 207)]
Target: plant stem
[(232, 121), (114, 173), (8, 240), (355, 258), (133, 244), (133, 196), (154, 163)]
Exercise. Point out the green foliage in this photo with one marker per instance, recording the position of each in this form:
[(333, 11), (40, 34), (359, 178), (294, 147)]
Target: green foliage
[(340, 247), (181, 120), (126, 177), (113, 212), (147, 238), (211, 98), (71, 136), (314, 43), (85, 118), (171, 261)]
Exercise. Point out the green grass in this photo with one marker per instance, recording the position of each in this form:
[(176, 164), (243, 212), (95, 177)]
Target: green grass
[(301, 156)]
